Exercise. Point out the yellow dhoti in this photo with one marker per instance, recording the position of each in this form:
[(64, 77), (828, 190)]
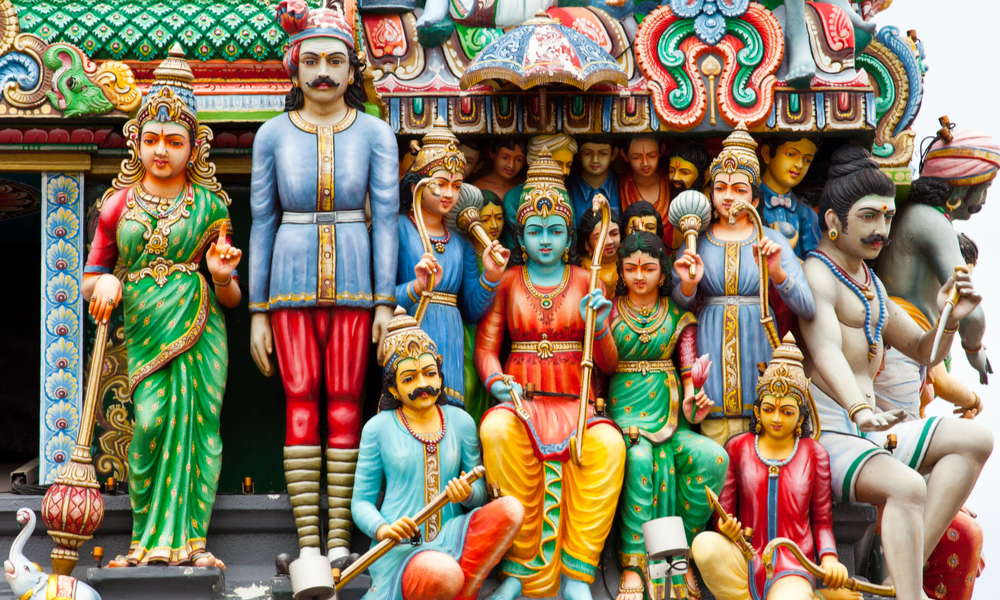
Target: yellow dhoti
[(568, 508), (727, 574)]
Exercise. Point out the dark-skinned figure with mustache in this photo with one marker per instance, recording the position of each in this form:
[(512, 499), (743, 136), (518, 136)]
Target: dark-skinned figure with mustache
[(416, 448), (314, 302)]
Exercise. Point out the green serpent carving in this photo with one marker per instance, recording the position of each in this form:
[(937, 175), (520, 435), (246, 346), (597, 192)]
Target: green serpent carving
[(81, 95), (749, 58), (886, 97), (672, 59)]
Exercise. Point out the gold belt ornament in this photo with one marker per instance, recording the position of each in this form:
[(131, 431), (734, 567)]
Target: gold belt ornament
[(645, 366), (544, 348), (160, 269), (443, 298)]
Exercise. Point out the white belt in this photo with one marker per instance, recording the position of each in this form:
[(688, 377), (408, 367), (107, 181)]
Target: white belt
[(732, 300), (335, 216)]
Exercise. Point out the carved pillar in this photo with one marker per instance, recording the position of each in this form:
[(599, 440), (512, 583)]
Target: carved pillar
[(62, 319)]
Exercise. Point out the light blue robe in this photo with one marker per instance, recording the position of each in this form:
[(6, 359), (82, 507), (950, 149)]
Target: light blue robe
[(390, 455), (444, 324), (800, 216), (753, 344)]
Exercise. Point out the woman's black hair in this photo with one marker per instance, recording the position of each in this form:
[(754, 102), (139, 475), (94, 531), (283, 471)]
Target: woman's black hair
[(641, 208), (588, 223), (390, 402), (805, 416), (409, 180), (355, 96), (852, 176), (651, 245), (492, 199), (516, 258)]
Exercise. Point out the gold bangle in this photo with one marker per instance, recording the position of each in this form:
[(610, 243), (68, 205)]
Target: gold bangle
[(856, 408), (946, 330), (222, 284), (972, 350)]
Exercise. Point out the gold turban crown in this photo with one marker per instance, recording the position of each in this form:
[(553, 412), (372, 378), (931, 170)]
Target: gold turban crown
[(438, 150), (171, 97), (739, 155), (405, 339), (544, 191), (784, 375)]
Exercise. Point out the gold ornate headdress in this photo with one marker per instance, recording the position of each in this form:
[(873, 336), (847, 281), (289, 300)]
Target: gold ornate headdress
[(739, 155), (438, 150), (170, 99), (405, 339), (544, 191), (784, 375)]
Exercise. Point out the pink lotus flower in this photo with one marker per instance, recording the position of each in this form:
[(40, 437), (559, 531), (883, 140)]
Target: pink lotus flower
[(699, 371)]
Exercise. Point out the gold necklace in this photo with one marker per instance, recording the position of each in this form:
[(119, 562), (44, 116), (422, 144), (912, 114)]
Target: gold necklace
[(638, 318), (545, 299), (164, 206)]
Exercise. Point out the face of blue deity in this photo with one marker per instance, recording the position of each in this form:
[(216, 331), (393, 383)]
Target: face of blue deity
[(545, 239)]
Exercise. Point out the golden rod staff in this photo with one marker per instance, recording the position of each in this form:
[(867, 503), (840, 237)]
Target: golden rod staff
[(600, 204), (369, 558), (852, 584), (949, 307), (765, 313), (425, 240), (743, 543)]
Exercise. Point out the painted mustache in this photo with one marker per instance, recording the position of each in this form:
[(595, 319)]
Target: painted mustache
[(323, 79), (427, 389), (876, 237)]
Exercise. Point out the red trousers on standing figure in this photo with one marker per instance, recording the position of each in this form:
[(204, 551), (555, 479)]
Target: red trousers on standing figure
[(322, 352)]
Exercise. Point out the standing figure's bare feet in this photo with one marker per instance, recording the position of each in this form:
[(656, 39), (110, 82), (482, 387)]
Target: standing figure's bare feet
[(631, 587), (119, 561), (208, 559)]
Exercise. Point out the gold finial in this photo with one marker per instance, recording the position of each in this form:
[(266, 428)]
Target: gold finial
[(739, 154), (437, 150), (785, 375), (544, 191)]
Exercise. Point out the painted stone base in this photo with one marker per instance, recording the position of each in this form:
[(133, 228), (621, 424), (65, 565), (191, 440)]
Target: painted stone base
[(161, 583)]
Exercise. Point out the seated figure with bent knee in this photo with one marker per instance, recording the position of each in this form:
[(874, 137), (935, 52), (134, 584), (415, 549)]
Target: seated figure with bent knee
[(855, 320), (779, 485), (418, 448)]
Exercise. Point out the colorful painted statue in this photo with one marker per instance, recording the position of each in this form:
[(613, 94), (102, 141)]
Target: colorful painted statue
[(569, 506), (508, 161), (853, 313), (472, 151), (312, 292), (460, 293), (786, 163), (645, 181), (779, 485), (587, 235), (729, 327), (668, 466), (642, 216), (490, 206), (593, 177), (163, 214), (562, 149), (27, 580), (415, 448), (687, 166)]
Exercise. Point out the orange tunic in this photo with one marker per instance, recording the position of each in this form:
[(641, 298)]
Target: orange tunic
[(630, 193), (517, 311)]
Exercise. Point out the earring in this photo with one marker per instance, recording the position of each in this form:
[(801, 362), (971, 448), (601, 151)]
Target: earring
[(951, 206), (798, 430), (566, 255), (758, 428), (295, 83), (715, 215), (524, 256), (833, 234), (190, 164), (350, 81)]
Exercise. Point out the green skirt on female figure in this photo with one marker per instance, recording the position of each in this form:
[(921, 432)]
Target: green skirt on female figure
[(667, 469)]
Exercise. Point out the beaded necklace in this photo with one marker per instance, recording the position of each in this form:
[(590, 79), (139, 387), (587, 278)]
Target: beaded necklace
[(774, 465), (865, 287), (432, 444), (545, 299), (873, 339), (638, 319), (439, 243)]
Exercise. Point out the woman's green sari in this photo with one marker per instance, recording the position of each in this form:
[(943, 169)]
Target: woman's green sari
[(175, 336)]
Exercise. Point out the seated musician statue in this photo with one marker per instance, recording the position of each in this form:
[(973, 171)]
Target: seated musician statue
[(417, 447)]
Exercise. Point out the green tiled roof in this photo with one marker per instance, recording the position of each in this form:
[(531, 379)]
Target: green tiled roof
[(127, 30)]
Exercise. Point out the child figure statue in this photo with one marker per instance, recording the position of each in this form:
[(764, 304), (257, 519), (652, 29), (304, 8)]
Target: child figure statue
[(412, 447), (778, 484)]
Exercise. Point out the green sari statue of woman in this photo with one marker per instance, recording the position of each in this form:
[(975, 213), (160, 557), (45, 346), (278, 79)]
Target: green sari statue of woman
[(667, 466), (165, 212)]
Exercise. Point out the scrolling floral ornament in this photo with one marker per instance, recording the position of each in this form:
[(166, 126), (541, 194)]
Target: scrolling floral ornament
[(673, 39)]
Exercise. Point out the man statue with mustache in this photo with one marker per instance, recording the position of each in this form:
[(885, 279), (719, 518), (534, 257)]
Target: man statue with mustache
[(315, 304), (854, 322)]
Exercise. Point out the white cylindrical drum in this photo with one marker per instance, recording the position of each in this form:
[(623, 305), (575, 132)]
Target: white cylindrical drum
[(312, 578), (665, 538)]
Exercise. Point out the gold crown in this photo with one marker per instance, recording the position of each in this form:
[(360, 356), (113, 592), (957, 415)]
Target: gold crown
[(438, 150), (171, 96), (544, 191), (784, 375), (739, 154), (405, 339)]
